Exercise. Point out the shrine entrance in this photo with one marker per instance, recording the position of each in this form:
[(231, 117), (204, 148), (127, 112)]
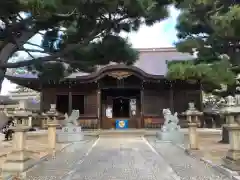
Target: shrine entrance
[(120, 104)]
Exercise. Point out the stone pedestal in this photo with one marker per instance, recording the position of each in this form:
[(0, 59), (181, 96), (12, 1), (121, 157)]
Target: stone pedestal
[(193, 136), (70, 134), (232, 159), (18, 160), (174, 136)]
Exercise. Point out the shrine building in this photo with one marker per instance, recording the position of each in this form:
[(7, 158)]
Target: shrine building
[(135, 93)]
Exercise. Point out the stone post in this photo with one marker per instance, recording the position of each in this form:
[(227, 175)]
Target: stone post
[(18, 160), (232, 159), (193, 136), (30, 121), (52, 133)]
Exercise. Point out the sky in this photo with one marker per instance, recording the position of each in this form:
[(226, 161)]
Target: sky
[(161, 34)]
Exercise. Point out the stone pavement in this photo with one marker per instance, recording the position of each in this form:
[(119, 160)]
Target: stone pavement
[(123, 159), (55, 169), (186, 167)]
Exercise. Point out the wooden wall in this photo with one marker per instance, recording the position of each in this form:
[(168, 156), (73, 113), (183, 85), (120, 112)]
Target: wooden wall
[(90, 98), (155, 101), (91, 103), (181, 98), (48, 97), (156, 97)]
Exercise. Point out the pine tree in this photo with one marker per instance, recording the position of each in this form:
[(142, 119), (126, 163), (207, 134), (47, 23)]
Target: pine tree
[(210, 29), (79, 33)]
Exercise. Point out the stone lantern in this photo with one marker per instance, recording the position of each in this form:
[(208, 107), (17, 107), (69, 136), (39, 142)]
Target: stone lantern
[(232, 159), (22, 116), (50, 116), (230, 110), (19, 160), (192, 115), (232, 113)]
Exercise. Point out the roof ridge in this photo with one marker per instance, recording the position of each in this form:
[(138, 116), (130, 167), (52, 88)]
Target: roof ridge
[(161, 49)]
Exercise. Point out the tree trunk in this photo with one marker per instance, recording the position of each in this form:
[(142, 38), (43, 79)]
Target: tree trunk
[(8, 50)]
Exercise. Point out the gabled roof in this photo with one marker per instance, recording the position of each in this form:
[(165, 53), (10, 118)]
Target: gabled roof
[(7, 100), (152, 63)]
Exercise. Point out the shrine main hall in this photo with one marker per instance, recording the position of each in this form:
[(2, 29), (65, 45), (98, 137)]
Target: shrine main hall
[(136, 93)]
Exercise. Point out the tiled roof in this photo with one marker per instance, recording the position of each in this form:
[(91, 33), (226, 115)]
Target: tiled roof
[(7, 100), (152, 61)]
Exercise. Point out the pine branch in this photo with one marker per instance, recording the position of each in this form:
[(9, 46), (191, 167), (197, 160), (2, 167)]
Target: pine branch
[(55, 57)]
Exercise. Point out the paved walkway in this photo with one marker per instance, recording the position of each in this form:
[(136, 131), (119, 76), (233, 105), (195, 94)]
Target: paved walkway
[(124, 159), (186, 167), (56, 169)]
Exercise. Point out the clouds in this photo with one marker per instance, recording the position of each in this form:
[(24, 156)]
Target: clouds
[(162, 34)]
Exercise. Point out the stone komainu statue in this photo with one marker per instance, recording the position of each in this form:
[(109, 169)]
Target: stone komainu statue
[(171, 121), (170, 130), (72, 119)]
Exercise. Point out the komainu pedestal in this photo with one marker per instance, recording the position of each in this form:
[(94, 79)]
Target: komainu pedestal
[(71, 131), (69, 134), (170, 130)]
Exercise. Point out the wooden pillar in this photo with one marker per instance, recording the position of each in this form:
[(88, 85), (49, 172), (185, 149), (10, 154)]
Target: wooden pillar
[(69, 101), (142, 107), (99, 103), (171, 103), (201, 97), (41, 100)]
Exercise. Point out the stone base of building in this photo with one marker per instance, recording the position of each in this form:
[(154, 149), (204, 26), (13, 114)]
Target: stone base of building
[(172, 136)]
